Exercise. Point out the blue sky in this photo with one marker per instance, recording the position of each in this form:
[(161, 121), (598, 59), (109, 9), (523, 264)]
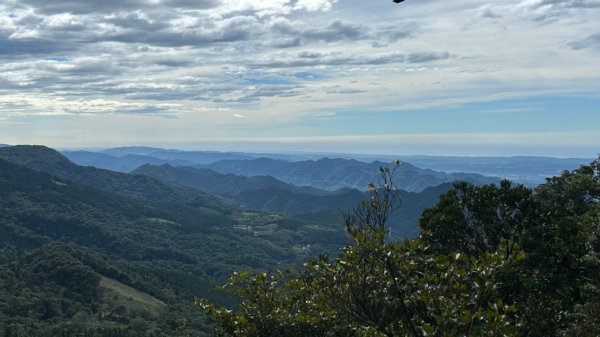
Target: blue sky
[(461, 77)]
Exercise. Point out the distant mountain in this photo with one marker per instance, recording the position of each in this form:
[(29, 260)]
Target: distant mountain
[(403, 222), (196, 157), (127, 159), (4, 145), (199, 157), (333, 174), (523, 169), (126, 163), (214, 182), (529, 170), (135, 150), (260, 193), (264, 193), (47, 160)]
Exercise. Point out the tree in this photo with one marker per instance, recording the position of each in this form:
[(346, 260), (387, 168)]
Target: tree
[(554, 225), (478, 219), (556, 272)]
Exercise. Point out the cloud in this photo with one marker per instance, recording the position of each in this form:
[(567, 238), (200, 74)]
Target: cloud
[(592, 41), (305, 59), (27, 105), (336, 31), (346, 91), (423, 57), (32, 46), (294, 58), (112, 6), (547, 10)]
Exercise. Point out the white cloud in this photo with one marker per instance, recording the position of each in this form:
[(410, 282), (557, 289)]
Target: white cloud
[(314, 5), (289, 61)]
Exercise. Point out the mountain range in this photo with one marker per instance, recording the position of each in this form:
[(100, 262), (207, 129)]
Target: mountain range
[(267, 194), (77, 258), (47, 160), (207, 188), (324, 174), (527, 170), (332, 174), (89, 251)]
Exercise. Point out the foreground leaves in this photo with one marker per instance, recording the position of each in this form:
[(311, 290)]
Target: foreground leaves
[(375, 288)]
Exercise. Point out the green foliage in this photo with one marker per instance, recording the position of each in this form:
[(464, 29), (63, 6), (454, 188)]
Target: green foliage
[(76, 261), (555, 225), (374, 288), (494, 260), (475, 220)]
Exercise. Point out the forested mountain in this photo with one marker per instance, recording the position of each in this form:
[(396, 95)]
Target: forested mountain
[(324, 173), (47, 160), (91, 252), (127, 159), (264, 193), (77, 260), (332, 174), (528, 170), (214, 182)]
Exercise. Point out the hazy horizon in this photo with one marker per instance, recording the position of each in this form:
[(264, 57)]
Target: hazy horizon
[(300, 150)]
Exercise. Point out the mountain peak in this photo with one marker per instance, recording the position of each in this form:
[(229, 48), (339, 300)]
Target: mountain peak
[(35, 156)]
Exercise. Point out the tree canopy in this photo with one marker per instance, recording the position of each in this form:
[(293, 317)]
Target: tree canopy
[(492, 260)]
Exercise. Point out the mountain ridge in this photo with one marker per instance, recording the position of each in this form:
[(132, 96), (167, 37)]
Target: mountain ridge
[(44, 159), (60, 238), (530, 170), (271, 195), (336, 173)]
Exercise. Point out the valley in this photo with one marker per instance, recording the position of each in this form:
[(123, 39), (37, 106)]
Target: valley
[(90, 250)]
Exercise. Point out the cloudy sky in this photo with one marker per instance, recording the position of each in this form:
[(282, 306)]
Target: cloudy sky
[(460, 77)]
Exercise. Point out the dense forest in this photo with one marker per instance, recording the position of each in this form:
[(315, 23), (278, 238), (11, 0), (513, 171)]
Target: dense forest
[(92, 252), (494, 260), (76, 260)]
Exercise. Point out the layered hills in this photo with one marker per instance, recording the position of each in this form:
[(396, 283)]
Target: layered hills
[(90, 251), (333, 174), (47, 160), (78, 260), (528, 170), (324, 173), (265, 193)]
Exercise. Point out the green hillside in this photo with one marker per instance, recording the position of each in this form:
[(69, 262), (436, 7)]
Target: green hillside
[(76, 260), (47, 160), (264, 193)]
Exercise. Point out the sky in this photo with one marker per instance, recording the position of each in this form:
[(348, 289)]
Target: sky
[(436, 77)]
